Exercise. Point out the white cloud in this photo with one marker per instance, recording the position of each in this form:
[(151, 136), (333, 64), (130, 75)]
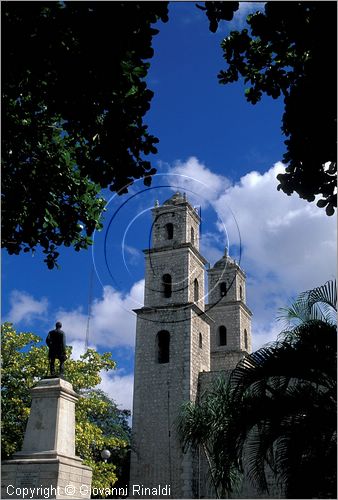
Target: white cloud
[(134, 255), (288, 244), (245, 8), (119, 387), (282, 236), (264, 333), (210, 244), (202, 185), (112, 322), (25, 308), (78, 348)]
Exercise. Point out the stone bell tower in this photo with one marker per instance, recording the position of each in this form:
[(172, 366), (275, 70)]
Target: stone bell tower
[(172, 348), (230, 333)]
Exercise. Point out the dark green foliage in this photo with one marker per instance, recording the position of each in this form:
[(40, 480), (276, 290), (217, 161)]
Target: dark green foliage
[(99, 423), (74, 98), (216, 11), (290, 51), (114, 421), (278, 408)]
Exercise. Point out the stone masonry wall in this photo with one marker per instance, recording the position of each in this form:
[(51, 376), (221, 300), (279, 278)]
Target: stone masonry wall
[(183, 265), (234, 278), (236, 318), (182, 217), (159, 391)]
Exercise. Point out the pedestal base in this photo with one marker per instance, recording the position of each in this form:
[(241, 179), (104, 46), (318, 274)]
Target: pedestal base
[(45, 475), (47, 466)]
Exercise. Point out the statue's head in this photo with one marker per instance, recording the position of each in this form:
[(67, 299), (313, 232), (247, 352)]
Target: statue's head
[(58, 324)]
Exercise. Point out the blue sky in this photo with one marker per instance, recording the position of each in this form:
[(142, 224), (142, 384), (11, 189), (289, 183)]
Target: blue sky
[(225, 153)]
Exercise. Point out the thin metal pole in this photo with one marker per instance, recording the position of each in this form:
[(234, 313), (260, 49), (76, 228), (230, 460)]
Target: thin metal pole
[(90, 298)]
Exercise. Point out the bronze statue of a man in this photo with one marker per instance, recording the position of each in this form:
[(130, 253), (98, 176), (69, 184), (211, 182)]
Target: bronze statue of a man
[(56, 341)]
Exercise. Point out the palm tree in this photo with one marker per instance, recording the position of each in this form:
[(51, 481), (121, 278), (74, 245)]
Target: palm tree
[(277, 410)]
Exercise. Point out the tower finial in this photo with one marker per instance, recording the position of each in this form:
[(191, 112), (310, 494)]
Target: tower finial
[(157, 203)]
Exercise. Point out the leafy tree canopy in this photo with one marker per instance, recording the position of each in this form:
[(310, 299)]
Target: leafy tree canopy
[(74, 100), (74, 97), (290, 50), (216, 11), (99, 423)]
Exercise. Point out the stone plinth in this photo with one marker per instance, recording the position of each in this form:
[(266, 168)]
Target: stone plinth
[(47, 466), (51, 425)]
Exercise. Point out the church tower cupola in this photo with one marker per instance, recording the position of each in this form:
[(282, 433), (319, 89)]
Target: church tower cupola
[(226, 281)]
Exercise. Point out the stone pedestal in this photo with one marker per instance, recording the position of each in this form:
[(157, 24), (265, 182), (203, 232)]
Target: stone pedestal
[(47, 466)]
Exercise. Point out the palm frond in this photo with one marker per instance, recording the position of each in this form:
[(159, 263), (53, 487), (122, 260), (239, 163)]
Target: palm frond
[(317, 304), (276, 413), (326, 294), (193, 425)]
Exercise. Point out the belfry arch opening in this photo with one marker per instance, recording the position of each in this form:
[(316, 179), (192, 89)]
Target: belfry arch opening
[(245, 339), (163, 346), (196, 290), (223, 289), (169, 231), (222, 335), (192, 236), (167, 286)]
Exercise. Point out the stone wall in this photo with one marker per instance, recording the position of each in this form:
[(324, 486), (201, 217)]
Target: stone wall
[(183, 217), (236, 318), (59, 478), (234, 278), (184, 264)]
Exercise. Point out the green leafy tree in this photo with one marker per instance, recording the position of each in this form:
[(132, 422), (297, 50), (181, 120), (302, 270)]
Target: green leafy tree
[(73, 99), (289, 50), (217, 11), (278, 408), (24, 362), (113, 422)]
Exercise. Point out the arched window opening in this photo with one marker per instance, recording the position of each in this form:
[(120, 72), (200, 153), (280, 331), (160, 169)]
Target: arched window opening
[(222, 335), (241, 292), (192, 234), (196, 291), (169, 230), (223, 289), (163, 343), (245, 339), (166, 283), (200, 341)]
